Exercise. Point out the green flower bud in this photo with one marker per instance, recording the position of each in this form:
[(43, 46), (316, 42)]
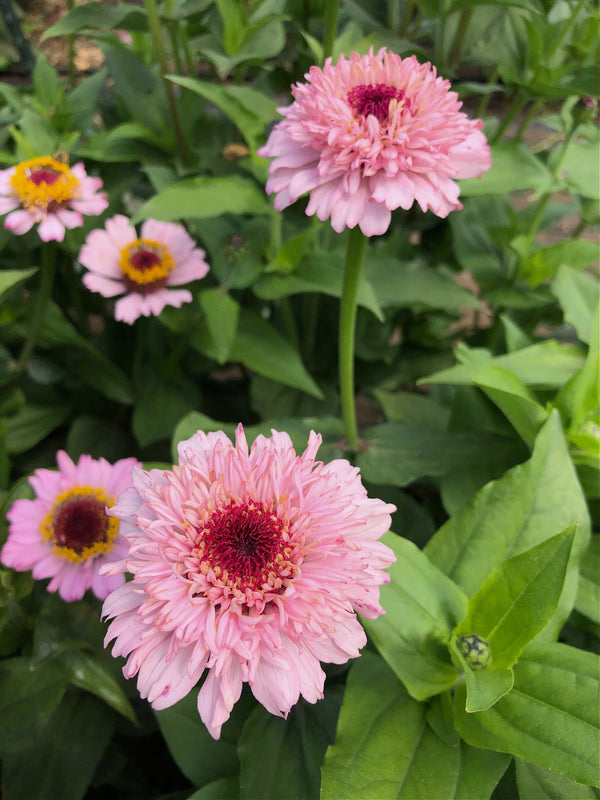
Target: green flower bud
[(475, 650)]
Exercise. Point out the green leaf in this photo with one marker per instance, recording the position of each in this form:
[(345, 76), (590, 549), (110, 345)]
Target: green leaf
[(549, 718), (544, 262), (221, 312), (48, 88), (518, 599), (399, 452), (90, 674), (545, 784), (547, 365), (418, 409), (201, 198), (221, 789), (248, 109), (98, 16), (32, 424), (296, 748), (62, 760), (422, 606), (484, 686), (201, 758), (578, 294), (261, 348), (385, 749), (11, 277), (514, 167), (514, 399), (588, 591), (159, 408), (84, 100), (579, 169), (528, 505), (29, 693)]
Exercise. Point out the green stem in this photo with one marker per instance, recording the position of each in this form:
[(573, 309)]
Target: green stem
[(531, 113), (565, 31), (154, 23), (48, 270), (556, 169), (459, 38), (357, 243), (187, 53), (310, 324), (512, 112), (408, 12), (330, 19), (289, 321), (71, 40), (393, 9), (485, 98)]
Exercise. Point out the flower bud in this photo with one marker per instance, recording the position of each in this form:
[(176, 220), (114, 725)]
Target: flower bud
[(475, 650)]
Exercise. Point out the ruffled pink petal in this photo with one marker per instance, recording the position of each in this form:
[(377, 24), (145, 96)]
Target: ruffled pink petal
[(218, 695)]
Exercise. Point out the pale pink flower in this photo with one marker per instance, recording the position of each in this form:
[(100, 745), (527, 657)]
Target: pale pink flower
[(371, 134), (48, 192), (65, 533), (143, 269), (250, 564)]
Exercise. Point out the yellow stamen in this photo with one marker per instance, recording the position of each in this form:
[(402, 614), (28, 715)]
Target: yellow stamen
[(110, 532), (34, 194), (146, 274)]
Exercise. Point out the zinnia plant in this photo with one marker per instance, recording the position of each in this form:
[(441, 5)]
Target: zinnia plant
[(65, 533), (248, 563), (145, 270), (371, 134), (47, 192)]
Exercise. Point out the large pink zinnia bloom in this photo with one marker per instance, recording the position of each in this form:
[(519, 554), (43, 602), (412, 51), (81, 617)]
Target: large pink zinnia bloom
[(65, 533), (250, 564), (142, 269), (47, 192), (371, 134)]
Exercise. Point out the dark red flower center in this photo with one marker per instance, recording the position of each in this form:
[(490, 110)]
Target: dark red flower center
[(80, 522), (144, 259), (374, 99), (46, 176)]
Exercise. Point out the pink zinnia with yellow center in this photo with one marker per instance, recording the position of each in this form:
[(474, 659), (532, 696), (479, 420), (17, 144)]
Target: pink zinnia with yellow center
[(372, 134), (65, 533), (250, 564), (144, 269), (48, 192)]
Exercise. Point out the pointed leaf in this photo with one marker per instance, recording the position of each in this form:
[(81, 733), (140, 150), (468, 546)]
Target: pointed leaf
[(549, 718), (514, 167), (422, 607), (578, 294), (545, 784), (11, 277), (221, 313)]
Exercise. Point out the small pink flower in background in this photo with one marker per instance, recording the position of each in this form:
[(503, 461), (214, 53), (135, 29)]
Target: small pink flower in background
[(371, 134), (47, 192), (65, 533), (144, 269), (250, 564)]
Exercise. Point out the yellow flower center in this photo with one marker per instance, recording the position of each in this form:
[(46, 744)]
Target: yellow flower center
[(78, 526), (44, 183), (145, 264)]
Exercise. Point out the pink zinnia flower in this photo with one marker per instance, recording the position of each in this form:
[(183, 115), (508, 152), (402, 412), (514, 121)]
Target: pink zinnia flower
[(65, 533), (250, 564), (369, 135), (143, 269), (47, 192)]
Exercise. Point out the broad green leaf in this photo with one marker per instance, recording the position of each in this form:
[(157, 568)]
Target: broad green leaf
[(261, 348), (397, 283), (296, 748), (578, 294), (62, 760), (29, 693), (322, 273), (422, 606), (528, 505), (399, 452), (588, 591), (201, 758), (32, 424), (85, 98), (418, 409), (11, 277), (202, 198), (518, 599), (546, 784), (221, 789), (385, 750), (579, 169), (546, 365), (248, 109), (514, 167), (48, 88), (544, 262), (221, 313), (550, 717), (514, 399), (159, 408), (90, 674), (98, 437), (98, 16)]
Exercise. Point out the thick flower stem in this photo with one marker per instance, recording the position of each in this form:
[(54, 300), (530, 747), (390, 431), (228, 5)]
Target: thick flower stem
[(154, 24), (48, 270), (354, 255), (330, 18)]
